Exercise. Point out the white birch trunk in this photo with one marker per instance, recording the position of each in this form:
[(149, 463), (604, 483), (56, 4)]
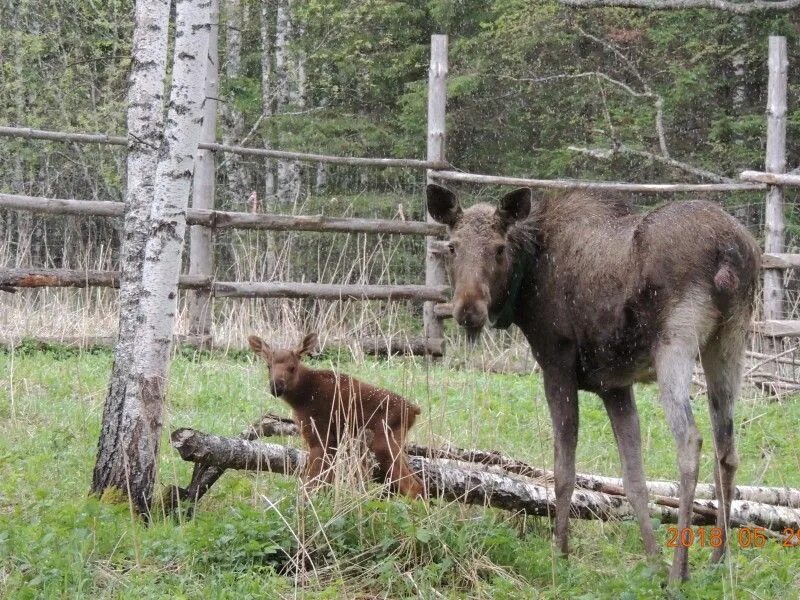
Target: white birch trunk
[(267, 24), (267, 99), (120, 464), (288, 173), (233, 131), (158, 293), (467, 482)]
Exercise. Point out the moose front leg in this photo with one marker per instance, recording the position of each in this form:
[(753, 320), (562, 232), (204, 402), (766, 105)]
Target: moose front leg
[(562, 398), (315, 466)]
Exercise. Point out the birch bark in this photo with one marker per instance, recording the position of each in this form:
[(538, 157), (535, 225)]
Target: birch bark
[(117, 451), (139, 387)]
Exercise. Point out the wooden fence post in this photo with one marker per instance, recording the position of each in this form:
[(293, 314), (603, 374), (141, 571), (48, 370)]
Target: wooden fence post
[(435, 273), (201, 255), (775, 162)]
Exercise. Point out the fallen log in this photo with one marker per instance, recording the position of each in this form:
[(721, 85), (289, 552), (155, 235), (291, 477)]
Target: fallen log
[(419, 346), (464, 482), (205, 475), (779, 496)]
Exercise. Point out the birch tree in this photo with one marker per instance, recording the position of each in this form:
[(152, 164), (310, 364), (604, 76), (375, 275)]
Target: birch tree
[(129, 441), (287, 94), (118, 452), (233, 130)]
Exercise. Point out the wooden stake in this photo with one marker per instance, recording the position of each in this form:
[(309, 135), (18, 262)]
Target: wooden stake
[(435, 272), (201, 256), (774, 238)]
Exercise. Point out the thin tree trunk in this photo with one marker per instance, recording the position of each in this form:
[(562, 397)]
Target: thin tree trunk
[(143, 390), (288, 182), (468, 483), (273, 425), (267, 26), (267, 23), (119, 460), (234, 122)]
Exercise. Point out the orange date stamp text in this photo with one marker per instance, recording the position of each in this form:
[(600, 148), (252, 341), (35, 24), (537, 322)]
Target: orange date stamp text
[(746, 537)]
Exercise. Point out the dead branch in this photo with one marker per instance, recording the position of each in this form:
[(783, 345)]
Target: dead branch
[(739, 8), (661, 490), (463, 482), (609, 153)]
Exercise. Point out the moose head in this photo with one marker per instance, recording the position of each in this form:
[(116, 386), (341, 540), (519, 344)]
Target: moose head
[(482, 259), (285, 369)]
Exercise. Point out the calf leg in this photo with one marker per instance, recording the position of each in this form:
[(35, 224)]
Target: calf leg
[(621, 409), (317, 463), (387, 444), (674, 365), (562, 399), (723, 358)]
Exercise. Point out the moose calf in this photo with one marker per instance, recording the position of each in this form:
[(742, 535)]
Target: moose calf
[(326, 404)]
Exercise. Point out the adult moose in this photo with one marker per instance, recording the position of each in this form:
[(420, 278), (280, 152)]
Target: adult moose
[(607, 297)]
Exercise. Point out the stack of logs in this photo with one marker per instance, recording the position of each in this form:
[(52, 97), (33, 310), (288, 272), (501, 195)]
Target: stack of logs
[(482, 478)]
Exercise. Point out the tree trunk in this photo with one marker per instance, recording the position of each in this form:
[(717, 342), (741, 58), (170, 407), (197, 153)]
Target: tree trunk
[(119, 462), (233, 130), (286, 70), (130, 461), (267, 24), (468, 483)]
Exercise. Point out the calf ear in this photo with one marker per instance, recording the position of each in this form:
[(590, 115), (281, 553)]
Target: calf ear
[(443, 205), (515, 205), (308, 345), (259, 346)]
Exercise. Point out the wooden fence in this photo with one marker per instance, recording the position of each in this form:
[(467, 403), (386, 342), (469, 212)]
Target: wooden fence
[(205, 220)]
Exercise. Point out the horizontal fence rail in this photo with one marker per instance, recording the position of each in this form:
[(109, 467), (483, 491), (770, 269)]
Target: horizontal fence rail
[(438, 168), (113, 140), (219, 219), (578, 184), (35, 278), (771, 178)]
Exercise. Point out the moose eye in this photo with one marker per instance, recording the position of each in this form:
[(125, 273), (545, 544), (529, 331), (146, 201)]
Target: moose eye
[(500, 251), (451, 247)]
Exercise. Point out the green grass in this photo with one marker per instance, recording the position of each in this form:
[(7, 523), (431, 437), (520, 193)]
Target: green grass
[(55, 541)]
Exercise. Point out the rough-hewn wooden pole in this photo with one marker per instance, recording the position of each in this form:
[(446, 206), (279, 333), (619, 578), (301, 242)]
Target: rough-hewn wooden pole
[(201, 256), (435, 273), (774, 237)]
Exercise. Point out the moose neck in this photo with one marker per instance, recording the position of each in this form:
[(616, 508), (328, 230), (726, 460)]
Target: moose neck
[(504, 317)]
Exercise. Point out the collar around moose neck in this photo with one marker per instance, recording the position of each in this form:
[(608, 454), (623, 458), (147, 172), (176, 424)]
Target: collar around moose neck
[(503, 318)]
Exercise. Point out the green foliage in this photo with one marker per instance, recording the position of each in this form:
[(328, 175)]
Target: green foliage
[(55, 541)]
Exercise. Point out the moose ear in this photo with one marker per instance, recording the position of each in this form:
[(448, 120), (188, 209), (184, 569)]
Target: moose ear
[(515, 205), (308, 345), (259, 346), (443, 205)]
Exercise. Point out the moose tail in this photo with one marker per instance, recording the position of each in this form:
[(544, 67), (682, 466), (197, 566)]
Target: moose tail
[(726, 279)]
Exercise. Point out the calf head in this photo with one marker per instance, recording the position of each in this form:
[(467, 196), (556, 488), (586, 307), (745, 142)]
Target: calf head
[(284, 365), (482, 266)]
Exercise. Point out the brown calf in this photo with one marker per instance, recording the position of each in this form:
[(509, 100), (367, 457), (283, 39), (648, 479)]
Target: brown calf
[(327, 404)]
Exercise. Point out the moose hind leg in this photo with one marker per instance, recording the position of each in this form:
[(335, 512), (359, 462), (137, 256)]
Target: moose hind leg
[(674, 365), (723, 359), (562, 400), (621, 409), (388, 446)]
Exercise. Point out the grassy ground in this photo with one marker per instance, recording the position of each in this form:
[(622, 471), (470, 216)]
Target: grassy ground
[(57, 542)]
